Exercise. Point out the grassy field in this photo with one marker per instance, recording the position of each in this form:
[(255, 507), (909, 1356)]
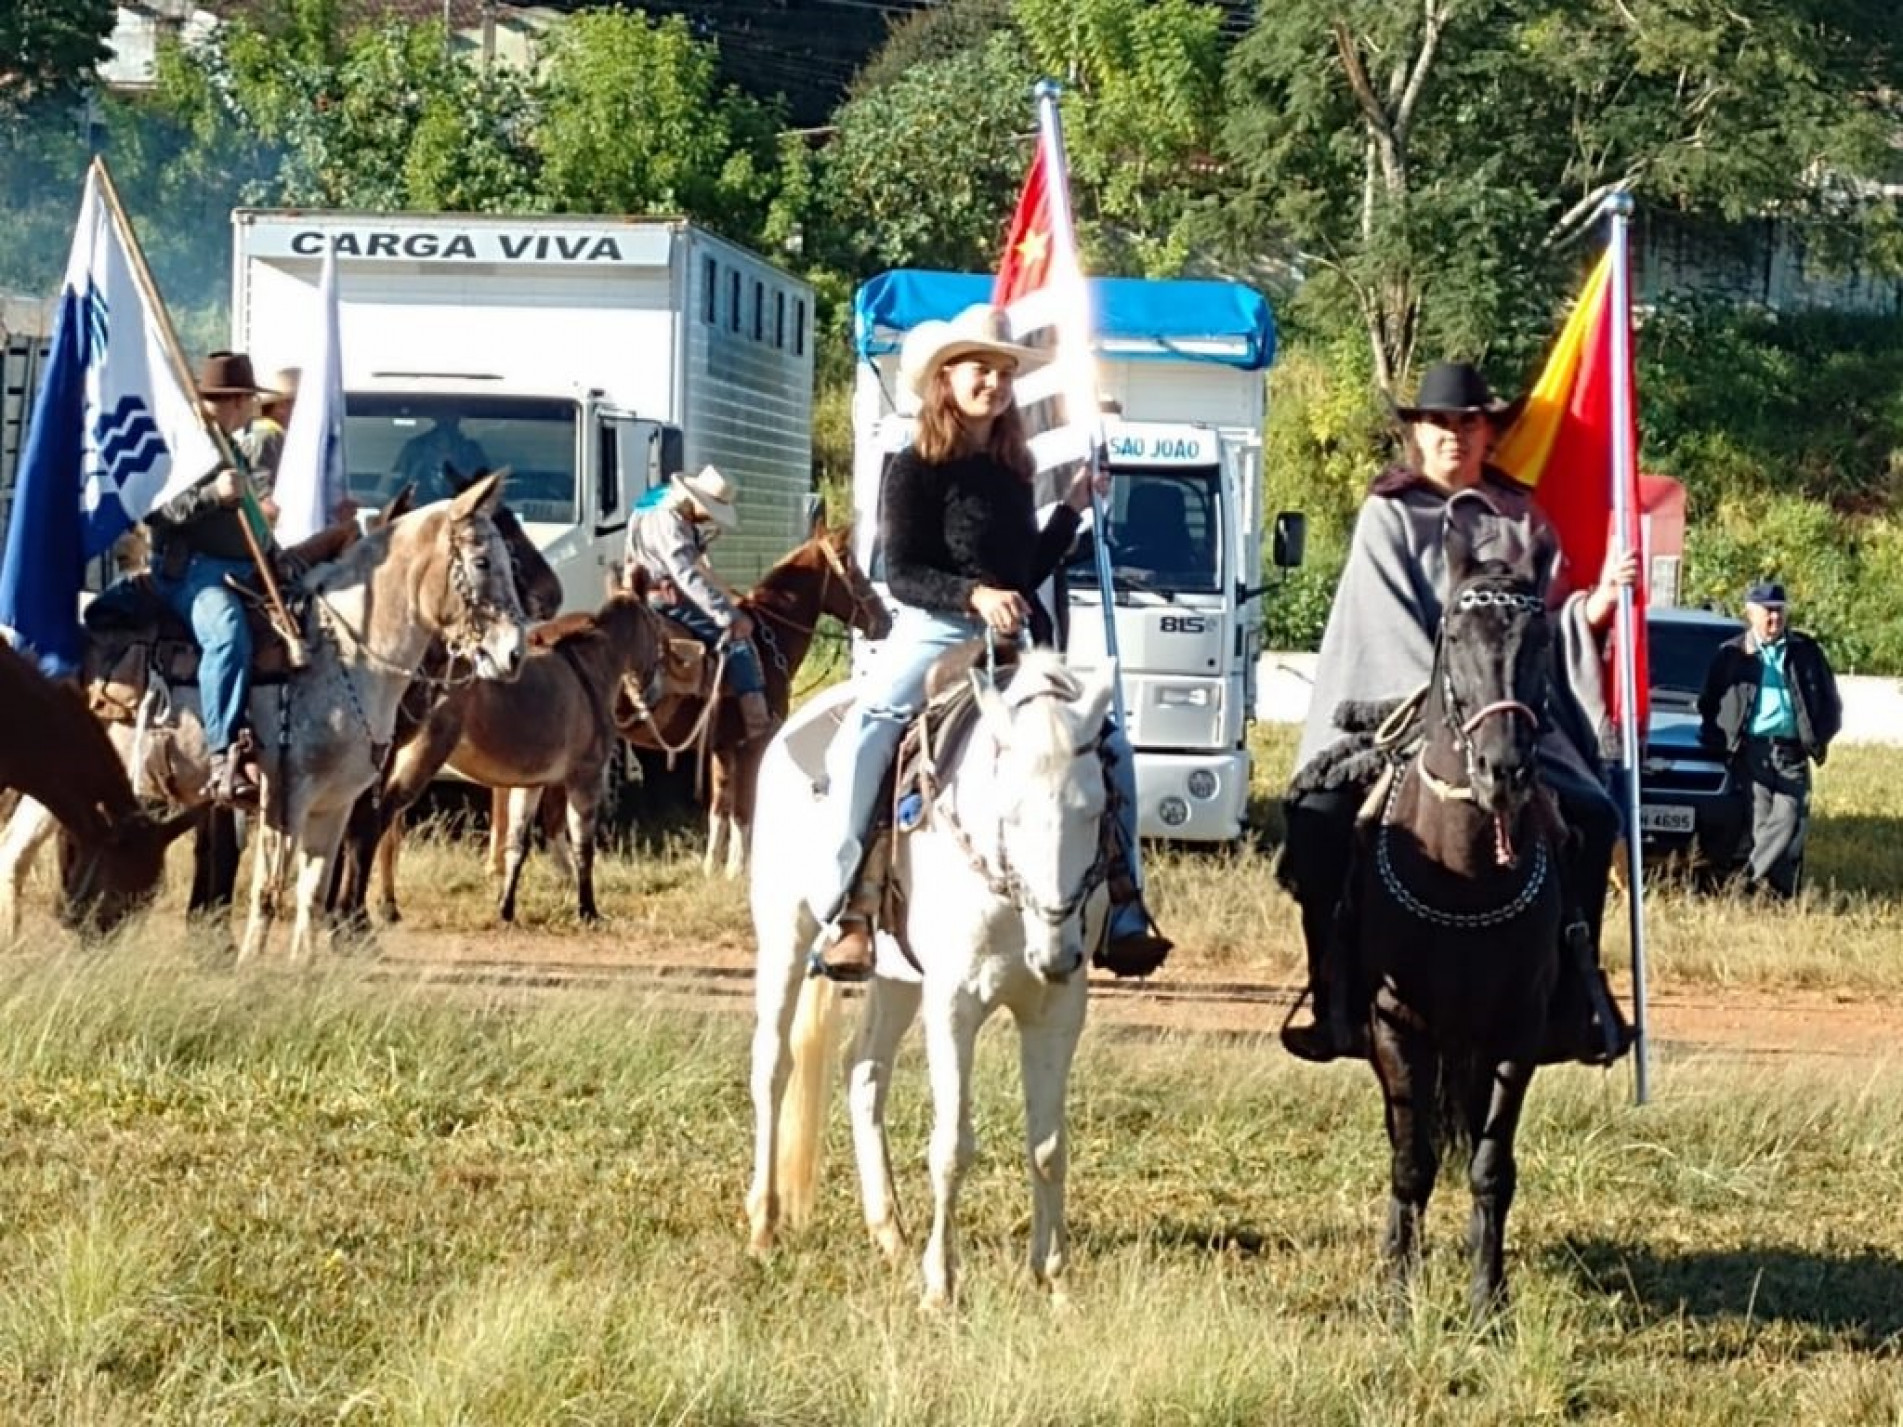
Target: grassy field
[(335, 1195)]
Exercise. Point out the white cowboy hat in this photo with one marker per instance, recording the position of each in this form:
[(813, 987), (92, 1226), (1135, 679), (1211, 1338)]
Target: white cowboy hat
[(713, 493), (980, 330)]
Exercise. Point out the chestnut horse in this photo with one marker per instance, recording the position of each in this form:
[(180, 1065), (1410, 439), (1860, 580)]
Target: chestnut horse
[(819, 577), (552, 728), (56, 753)]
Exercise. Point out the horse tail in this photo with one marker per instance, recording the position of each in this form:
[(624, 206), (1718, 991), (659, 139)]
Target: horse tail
[(1457, 1079), (815, 1048)]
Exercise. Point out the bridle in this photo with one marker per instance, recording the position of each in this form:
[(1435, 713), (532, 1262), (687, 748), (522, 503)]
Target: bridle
[(864, 598), (1464, 725), (1002, 879)]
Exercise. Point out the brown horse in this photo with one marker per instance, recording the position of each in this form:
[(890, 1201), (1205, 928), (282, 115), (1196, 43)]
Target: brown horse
[(820, 577), (55, 752), (1457, 932), (552, 728)]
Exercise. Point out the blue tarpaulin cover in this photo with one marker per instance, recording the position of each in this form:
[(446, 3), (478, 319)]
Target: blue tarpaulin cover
[(1232, 318)]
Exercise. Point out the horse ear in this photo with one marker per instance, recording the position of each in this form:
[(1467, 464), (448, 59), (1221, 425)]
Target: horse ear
[(399, 505), (991, 707), (1462, 531), (481, 498), (1097, 695)]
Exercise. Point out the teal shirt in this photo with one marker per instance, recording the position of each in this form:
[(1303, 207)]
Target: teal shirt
[(1775, 716)]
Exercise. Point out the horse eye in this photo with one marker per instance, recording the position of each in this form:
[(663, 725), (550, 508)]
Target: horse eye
[(482, 562)]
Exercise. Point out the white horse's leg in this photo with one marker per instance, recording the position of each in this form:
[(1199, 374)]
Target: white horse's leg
[(1047, 1043), (736, 848), (267, 881), (316, 854), (952, 1020), (716, 852), (27, 831), (891, 1006)]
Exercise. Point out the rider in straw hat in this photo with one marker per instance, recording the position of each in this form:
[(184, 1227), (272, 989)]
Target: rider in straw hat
[(963, 554), (669, 539)]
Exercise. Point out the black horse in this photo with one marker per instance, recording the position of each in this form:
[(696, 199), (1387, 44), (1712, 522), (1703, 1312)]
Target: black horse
[(1457, 931)]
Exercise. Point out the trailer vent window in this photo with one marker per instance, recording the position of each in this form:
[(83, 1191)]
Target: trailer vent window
[(733, 300), (759, 311), (709, 291), (799, 328), (779, 320)]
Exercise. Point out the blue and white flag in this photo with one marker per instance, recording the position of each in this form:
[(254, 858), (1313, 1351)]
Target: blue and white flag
[(312, 477), (114, 432)]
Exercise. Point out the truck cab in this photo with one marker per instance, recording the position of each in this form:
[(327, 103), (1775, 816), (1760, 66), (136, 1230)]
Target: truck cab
[(576, 464)]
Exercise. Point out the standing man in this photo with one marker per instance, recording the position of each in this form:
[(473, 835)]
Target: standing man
[(669, 539), (1770, 701)]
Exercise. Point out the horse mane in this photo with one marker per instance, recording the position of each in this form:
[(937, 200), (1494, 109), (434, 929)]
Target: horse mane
[(354, 564)]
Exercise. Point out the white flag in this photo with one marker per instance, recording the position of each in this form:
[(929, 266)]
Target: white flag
[(312, 477)]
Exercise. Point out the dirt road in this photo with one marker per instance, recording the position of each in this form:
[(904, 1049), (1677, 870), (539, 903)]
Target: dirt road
[(1748, 1023)]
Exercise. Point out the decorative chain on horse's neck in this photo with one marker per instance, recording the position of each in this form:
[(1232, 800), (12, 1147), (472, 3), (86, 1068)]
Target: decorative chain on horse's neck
[(1405, 898)]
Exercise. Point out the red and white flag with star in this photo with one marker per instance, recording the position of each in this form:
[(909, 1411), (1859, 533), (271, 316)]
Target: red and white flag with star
[(1041, 287)]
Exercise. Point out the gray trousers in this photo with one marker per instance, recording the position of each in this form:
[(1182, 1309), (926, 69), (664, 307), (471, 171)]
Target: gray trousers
[(1779, 774)]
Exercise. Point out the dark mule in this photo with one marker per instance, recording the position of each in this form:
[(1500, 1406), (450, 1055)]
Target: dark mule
[(540, 590), (54, 751), (819, 577), (552, 728), (1459, 905)]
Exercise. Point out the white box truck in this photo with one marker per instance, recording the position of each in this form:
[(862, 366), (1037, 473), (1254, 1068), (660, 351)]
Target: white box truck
[(592, 356), (1181, 366)]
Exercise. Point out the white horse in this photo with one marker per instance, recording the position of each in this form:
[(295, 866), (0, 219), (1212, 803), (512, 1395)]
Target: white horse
[(1000, 881)]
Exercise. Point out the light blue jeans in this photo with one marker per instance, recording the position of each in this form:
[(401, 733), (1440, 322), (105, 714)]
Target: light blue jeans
[(201, 598), (892, 694)]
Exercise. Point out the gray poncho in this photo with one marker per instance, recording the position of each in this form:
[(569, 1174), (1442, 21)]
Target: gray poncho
[(1379, 644)]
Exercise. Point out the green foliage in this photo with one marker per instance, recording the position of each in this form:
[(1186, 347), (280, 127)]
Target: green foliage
[(1426, 162), (49, 50), (923, 171), (635, 121)]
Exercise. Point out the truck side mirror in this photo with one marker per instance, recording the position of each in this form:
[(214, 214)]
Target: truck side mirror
[(1291, 537)]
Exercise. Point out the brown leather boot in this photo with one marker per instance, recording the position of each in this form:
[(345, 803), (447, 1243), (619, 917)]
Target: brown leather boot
[(756, 719), (849, 955)]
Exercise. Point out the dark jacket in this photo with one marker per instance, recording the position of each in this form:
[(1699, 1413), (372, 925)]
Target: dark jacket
[(197, 520), (1731, 694), (952, 526)]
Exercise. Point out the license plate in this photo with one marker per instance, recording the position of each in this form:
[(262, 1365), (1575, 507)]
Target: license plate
[(1669, 817)]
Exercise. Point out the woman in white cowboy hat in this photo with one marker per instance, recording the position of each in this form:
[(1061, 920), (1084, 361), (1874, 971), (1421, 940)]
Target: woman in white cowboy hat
[(669, 539), (963, 553)]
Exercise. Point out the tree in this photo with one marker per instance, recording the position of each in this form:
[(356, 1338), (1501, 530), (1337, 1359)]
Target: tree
[(635, 121), (49, 50), (1427, 166)]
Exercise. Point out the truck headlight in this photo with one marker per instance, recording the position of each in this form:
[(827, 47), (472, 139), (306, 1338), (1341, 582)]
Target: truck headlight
[(1183, 696), (1202, 784), (1173, 811)]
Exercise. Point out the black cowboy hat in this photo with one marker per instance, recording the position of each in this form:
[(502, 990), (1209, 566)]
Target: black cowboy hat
[(1457, 387)]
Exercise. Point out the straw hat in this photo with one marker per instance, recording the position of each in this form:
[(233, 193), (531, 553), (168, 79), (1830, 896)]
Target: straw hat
[(980, 330), (283, 389), (713, 493)]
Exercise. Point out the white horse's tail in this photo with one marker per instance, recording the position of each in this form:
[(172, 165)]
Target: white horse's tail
[(815, 1048)]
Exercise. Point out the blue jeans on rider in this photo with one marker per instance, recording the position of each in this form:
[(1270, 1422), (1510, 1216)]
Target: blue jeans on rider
[(201, 598), (742, 674), (891, 695)]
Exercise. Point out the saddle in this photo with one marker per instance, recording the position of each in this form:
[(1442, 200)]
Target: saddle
[(935, 738), (689, 674), (132, 636)]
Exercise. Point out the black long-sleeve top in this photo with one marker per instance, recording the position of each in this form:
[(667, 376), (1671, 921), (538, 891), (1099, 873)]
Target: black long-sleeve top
[(950, 526)]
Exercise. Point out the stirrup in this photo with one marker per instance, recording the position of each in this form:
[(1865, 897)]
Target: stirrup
[(851, 970)]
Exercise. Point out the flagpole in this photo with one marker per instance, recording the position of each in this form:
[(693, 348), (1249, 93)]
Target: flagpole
[(1619, 208), (1064, 240), (175, 356)]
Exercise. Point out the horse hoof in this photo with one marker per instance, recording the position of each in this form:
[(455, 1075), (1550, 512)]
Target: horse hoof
[(389, 913)]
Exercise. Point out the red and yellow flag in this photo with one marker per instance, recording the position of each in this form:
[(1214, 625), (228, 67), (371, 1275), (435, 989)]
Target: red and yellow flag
[(1564, 446), (1030, 242)]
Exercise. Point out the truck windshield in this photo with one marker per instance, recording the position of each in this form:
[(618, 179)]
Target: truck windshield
[(397, 438), (1165, 532)]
